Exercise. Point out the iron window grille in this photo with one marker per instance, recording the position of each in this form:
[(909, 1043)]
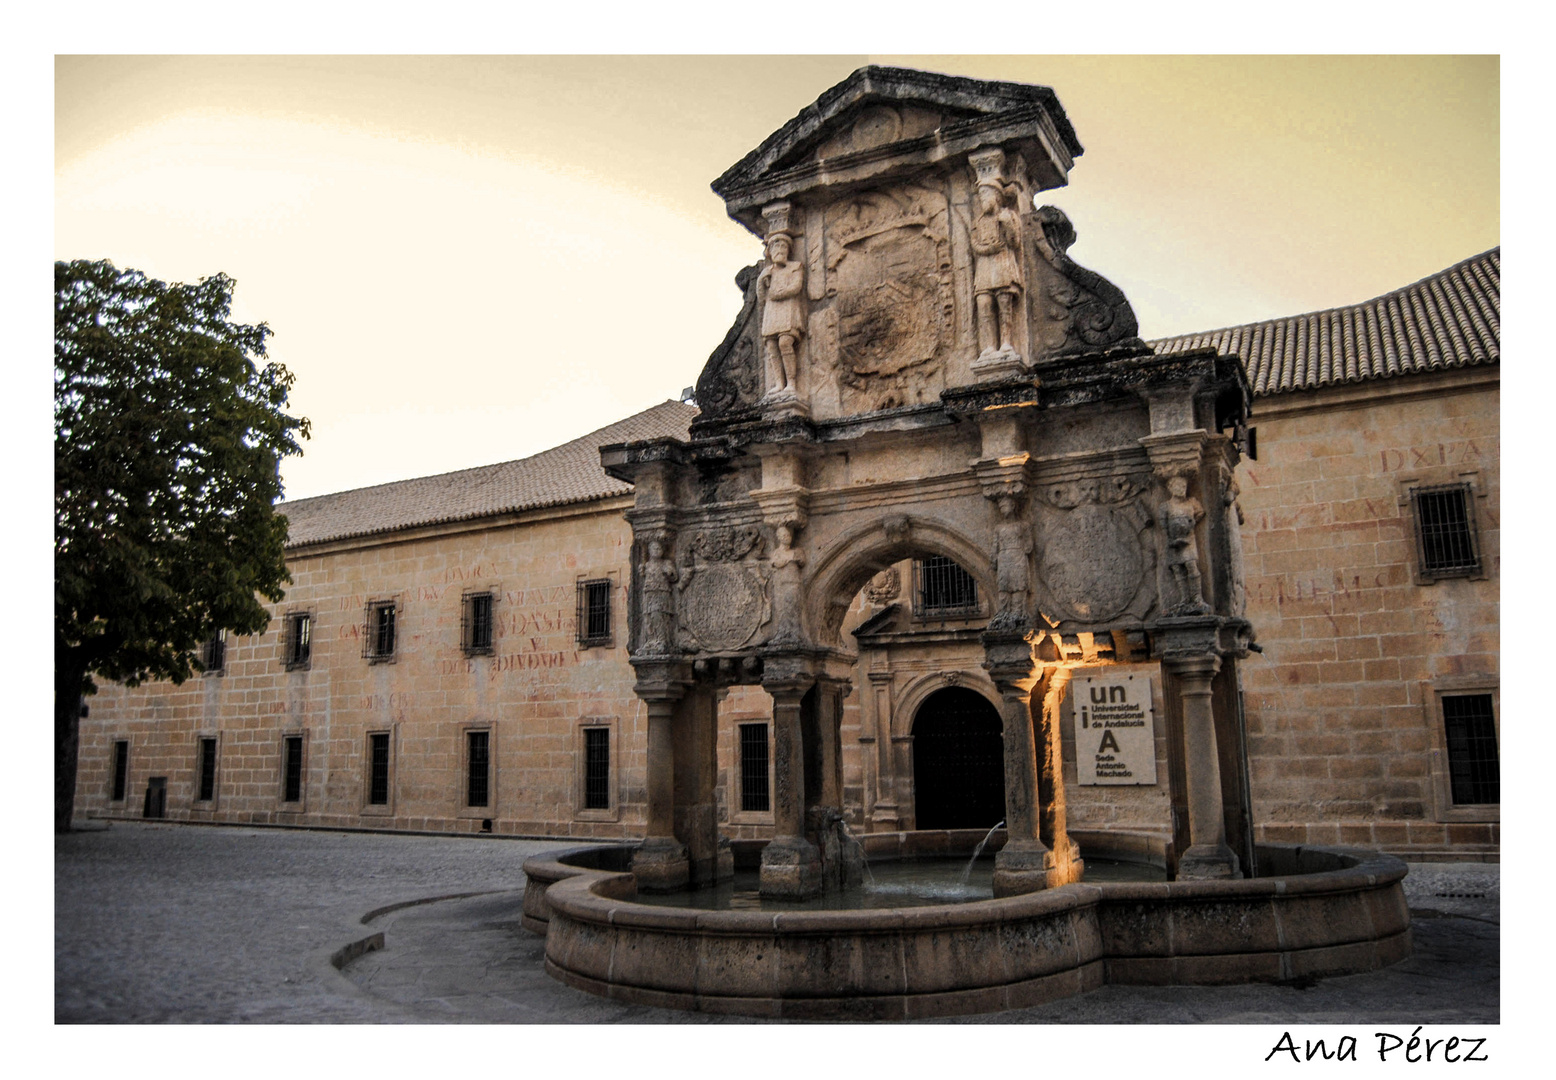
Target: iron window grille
[(380, 634), (1474, 771), (292, 790), (597, 768), (1446, 540), (942, 588), (594, 612), (475, 624), (207, 770), (378, 769), (754, 794), (213, 654), (479, 768), (298, 644), (121, 769)]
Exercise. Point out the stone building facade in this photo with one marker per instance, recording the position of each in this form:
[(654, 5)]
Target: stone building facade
[(453, 652)]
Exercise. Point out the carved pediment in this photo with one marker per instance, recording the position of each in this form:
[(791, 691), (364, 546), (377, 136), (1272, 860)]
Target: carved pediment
[(882, 121)]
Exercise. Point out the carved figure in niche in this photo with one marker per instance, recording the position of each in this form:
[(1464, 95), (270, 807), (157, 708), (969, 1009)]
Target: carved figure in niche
[(1013, 548), (658, 576), (783, 315), (1234, 534), (996, 244), (1177, 518)]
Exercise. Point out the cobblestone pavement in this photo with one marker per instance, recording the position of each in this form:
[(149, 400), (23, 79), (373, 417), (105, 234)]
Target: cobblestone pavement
[(169, 923)]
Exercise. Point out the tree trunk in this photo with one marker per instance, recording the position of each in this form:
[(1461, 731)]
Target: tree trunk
[(69, 679)]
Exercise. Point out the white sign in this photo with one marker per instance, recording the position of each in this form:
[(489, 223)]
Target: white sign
[(1115, 729)]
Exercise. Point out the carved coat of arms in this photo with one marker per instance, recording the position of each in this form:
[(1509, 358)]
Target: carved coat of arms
[(724, 597), (1093, 564)]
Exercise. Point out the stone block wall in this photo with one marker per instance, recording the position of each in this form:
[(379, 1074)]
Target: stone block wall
[(1344, 728)]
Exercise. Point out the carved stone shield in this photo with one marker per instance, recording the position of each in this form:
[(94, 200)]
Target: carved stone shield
[(1092, 562), (724, 605)]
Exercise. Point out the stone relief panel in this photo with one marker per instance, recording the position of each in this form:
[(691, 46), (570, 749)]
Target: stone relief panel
[(724, 599), (889, 277), (1094, 564), (879, 125)]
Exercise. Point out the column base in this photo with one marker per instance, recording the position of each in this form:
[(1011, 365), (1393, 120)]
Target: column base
[(1031, 867), (884, 818), (660, 865), (1208, 862), (791, 869)]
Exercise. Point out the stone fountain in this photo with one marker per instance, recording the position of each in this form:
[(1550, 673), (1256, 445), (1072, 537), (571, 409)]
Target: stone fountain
[(919, 369)]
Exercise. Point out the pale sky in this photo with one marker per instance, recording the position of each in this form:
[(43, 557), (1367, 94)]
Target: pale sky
[(468, 260)]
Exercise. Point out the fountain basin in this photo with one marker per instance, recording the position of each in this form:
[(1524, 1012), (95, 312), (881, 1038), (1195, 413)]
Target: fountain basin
[(1320, 912)]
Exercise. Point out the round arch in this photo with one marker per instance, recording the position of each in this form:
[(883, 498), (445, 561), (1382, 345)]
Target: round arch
[(864, 551), (958, 761)]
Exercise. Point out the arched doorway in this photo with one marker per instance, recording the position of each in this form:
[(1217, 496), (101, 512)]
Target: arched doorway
[(958, 762)]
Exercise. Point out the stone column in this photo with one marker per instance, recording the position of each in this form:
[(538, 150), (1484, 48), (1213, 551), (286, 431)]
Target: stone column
[(791, 865), (660, 863), (696, 779), (1207, 855), (1022, 865), (1065, 865), (885, 816)]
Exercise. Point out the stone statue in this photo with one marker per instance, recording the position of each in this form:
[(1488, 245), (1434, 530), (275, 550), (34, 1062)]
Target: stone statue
[(1013, 547), (786, 565), (1177, 518), (657, 577), (783, 315), (996, 244), (1234, 533)]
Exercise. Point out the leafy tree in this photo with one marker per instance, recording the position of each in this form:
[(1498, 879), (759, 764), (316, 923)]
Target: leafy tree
[(168, 439)]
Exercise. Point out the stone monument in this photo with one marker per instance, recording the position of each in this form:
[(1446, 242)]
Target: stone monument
[(919, 369)]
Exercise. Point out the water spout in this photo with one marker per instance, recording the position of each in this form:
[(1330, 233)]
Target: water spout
[(967, 873), (864, 860)]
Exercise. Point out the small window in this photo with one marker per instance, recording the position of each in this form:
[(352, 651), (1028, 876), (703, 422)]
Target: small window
[(121, 769), (207, 770), (476, 628), (594, 612), (298, 643), (292, 790), (378, 769), (213, 654), (1470, 731), (597, 768), (943, 588), (379, 635), (1445, 531), (753, 767), (479, 768)]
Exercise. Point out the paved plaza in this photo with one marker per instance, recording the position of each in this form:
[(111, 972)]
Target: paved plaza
[(164, 923)]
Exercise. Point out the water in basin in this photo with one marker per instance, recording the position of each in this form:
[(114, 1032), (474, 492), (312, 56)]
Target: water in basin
[(906, 883)]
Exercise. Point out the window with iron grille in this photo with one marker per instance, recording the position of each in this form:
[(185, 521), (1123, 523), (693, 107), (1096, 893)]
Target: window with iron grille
[(1445, 530), (941, 588), (597, 768), (476, 624), (298, 644), (1470, 729), (379, 637), (207, 770), (378, 769), (753, 767), (478, 755), (594, 612), (292, 790), (121, 769), (213, 655)]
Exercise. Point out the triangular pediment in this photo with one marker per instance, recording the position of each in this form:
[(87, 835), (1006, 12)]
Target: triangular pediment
[(881, 112)]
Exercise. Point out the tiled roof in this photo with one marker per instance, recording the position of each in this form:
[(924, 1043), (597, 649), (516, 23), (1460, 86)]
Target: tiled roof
[(569, 473), (1449, 320)]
